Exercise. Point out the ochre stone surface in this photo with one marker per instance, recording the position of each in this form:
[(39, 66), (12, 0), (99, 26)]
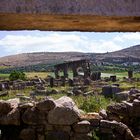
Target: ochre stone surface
[(70, 15)]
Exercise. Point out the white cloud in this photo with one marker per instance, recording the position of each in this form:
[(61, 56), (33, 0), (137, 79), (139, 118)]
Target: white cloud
[(128, 37), (28, 43), (61, 42)]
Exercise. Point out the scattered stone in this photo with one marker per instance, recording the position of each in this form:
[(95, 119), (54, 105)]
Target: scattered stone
[(12, 118), (77, 92), (32, 116), (25, 105), (133, 91), (54, 91), (89, 93), (20, 95), (113, 78), (70, 93), (46, 105), (65, 112), (136, 108), (95, 76), (109, 91), (40, 87), (65, 101), (118, 108), (103, 114), (25, 98), (93, 118), (82, 127), (87, 81), (40, 92), (14, 102), (115, 117), (121, 96), (71, 83), (4, 93), (5, 107)]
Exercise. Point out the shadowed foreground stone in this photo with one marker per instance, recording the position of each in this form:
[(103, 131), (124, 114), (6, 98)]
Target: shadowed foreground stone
[(27, 134), (5, 107), (65, 112), (58, 135), (33, 116), (82, 127), (12, 118), (46, 105)]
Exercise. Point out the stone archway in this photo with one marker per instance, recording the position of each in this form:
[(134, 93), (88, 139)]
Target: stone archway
[(80, 71)]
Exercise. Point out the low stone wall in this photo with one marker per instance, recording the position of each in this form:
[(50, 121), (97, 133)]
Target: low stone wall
[(61, 120)]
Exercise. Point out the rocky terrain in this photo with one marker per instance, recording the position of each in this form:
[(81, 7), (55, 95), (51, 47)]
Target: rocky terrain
[(131, 54), (61, 119)]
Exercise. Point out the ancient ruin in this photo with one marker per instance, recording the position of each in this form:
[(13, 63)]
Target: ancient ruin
[(27, 118), (73, 65)]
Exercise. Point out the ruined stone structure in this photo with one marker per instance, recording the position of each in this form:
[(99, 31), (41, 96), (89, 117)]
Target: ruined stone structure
[(70, 15), (61, 120), (73, 65), (130, 74)]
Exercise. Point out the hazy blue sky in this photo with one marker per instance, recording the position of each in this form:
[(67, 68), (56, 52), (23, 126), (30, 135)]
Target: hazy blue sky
[(13, 42)]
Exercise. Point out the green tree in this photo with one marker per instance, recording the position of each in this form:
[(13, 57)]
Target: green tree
[(15, 75)]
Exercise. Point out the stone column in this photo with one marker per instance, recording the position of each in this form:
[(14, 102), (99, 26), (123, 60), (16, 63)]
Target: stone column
[(130, 74), (75, 73), (65, 71), (56, 73), (113, 78), (89, 69), (86, 69), (51, 82)]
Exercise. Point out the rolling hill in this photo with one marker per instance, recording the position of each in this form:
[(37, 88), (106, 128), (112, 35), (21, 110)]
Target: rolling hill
[(26, 59), (131, 54)]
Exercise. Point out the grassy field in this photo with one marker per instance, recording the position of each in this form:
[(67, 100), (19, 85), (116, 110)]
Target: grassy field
[(4, 75), (39, 74), (45, 74), (87, 104), (120, 74)]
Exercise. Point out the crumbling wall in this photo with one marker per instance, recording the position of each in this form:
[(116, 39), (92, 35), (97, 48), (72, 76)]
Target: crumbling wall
[(61, 120)]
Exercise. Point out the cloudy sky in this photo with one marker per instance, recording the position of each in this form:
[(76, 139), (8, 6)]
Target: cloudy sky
[(14, 42)]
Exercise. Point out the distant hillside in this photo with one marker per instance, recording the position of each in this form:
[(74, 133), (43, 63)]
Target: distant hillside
[(131, 54), (26, 59)]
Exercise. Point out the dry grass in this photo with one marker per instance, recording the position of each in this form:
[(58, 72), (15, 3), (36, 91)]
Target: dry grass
[(39, 74)]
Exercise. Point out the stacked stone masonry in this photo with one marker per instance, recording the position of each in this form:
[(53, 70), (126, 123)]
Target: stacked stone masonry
[(60, 119)]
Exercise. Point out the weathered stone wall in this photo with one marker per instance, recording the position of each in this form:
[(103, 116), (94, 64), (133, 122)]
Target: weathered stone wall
[(61, 120), (93, 7)]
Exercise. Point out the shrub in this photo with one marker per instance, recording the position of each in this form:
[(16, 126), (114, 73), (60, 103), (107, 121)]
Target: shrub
[(15, 75)]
